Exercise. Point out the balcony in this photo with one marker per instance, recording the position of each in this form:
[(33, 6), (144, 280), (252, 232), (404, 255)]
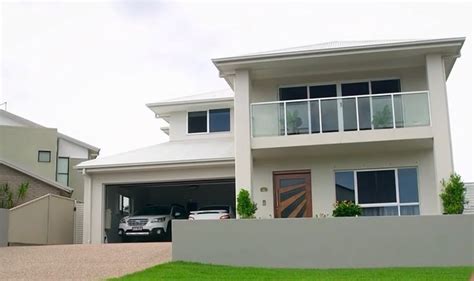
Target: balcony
[(341, 114)]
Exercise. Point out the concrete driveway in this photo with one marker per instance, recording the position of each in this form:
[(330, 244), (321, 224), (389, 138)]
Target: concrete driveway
[(80, 262)]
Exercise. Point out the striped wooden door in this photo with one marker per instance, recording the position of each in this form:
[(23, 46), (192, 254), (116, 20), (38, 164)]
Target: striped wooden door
[(292, 194)]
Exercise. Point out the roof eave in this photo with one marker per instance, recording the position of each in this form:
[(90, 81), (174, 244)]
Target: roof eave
[(148, 165), (274, 56), (214, 100)]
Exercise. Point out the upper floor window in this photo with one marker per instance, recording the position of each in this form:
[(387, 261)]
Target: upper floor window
[(209, 121), (44, 156), (347, 89), (62, 175)]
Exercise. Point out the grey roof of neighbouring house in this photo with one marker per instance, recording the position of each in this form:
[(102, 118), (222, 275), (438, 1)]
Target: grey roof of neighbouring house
[(29, 123), (173, 152), (36, 176)]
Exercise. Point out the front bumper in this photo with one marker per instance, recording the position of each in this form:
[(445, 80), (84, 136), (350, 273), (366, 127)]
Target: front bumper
[(150, 229)]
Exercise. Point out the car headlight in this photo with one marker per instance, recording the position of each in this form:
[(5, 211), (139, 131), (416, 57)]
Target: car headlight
[(123, 221), (158, 220)]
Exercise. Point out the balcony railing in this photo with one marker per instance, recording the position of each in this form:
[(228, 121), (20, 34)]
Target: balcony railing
[(340, 114)]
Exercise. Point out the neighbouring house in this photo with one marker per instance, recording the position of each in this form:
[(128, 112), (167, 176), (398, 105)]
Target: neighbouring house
[(300, 129), (43, 158), (27, 148), (469, 207)]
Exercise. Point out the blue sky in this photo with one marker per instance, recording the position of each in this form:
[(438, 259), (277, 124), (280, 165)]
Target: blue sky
[(88, 68)]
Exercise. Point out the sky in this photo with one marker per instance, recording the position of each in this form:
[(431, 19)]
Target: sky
[(88, 68)]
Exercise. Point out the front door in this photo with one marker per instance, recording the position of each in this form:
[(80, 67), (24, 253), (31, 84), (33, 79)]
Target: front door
[(292, 194)]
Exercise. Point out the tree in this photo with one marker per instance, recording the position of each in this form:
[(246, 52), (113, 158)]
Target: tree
[(246, 208), (453, 195)]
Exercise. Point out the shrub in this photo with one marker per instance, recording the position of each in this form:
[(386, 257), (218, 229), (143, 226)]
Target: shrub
[(8, 199), (246, 208), (346, 209), (453, 195)]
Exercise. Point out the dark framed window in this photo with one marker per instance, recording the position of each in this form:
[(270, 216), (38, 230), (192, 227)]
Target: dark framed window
[(209, 121), (293, 93), (355, 89), (345, 189), (44, 156), (124, 204), (322, 91), (388, 192), (219, 120), (385, 86), (197, 122), (62, 175), (376, 187)]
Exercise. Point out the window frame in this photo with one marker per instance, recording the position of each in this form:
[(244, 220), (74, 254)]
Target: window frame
[(338, 84), (208, 122), (397, 204), (43, 151), (57, 169), (121, 206)]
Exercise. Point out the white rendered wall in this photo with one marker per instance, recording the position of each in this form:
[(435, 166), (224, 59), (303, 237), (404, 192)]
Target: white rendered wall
[(72, 150), (323, 177)]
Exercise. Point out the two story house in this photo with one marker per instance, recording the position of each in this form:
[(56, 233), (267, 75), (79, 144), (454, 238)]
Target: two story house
[(41, 156), (300, 129)]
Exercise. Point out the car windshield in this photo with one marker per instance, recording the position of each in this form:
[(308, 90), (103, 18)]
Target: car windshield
[(153, 210), (212, 208)]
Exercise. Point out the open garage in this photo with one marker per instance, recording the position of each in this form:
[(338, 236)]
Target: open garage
[(122, 200)]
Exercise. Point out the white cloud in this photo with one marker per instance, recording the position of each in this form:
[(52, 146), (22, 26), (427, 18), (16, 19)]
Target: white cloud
[(88, 68)]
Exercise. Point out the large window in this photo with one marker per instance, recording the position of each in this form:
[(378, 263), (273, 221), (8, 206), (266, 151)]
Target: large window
[(389, 192), (62, 175), (209, 121)]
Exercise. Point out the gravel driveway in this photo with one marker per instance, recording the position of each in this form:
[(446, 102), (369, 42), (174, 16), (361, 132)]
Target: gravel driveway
[(79, 262)]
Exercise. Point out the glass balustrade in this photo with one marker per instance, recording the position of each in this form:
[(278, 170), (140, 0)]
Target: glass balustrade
[(353, 113)]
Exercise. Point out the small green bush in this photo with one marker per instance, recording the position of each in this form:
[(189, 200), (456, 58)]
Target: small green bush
[(453, 195), (346, 209), (10, 198), (246, 208)]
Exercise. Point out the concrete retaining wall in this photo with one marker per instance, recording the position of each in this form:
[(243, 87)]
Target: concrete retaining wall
[(328, 242)]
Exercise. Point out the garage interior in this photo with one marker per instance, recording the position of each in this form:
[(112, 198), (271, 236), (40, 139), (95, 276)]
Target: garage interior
[(124, 199)]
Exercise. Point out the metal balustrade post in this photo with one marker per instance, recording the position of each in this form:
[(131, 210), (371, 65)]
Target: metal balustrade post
[(393, 111), (357, 112), (284, 112)]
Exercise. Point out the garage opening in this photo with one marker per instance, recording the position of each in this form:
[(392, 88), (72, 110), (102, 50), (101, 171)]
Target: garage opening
[(142, 199)]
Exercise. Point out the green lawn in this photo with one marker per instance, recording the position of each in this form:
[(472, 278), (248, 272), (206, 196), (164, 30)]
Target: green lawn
[(195, 271)]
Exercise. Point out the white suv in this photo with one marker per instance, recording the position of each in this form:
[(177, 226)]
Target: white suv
[(151, 222)]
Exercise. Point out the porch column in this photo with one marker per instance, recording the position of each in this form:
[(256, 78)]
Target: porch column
[(243, 152), (86, 227), (442, 152)]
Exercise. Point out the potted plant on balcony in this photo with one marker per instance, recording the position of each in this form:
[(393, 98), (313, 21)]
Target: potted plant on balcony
[(293, 122), (382, 118)]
